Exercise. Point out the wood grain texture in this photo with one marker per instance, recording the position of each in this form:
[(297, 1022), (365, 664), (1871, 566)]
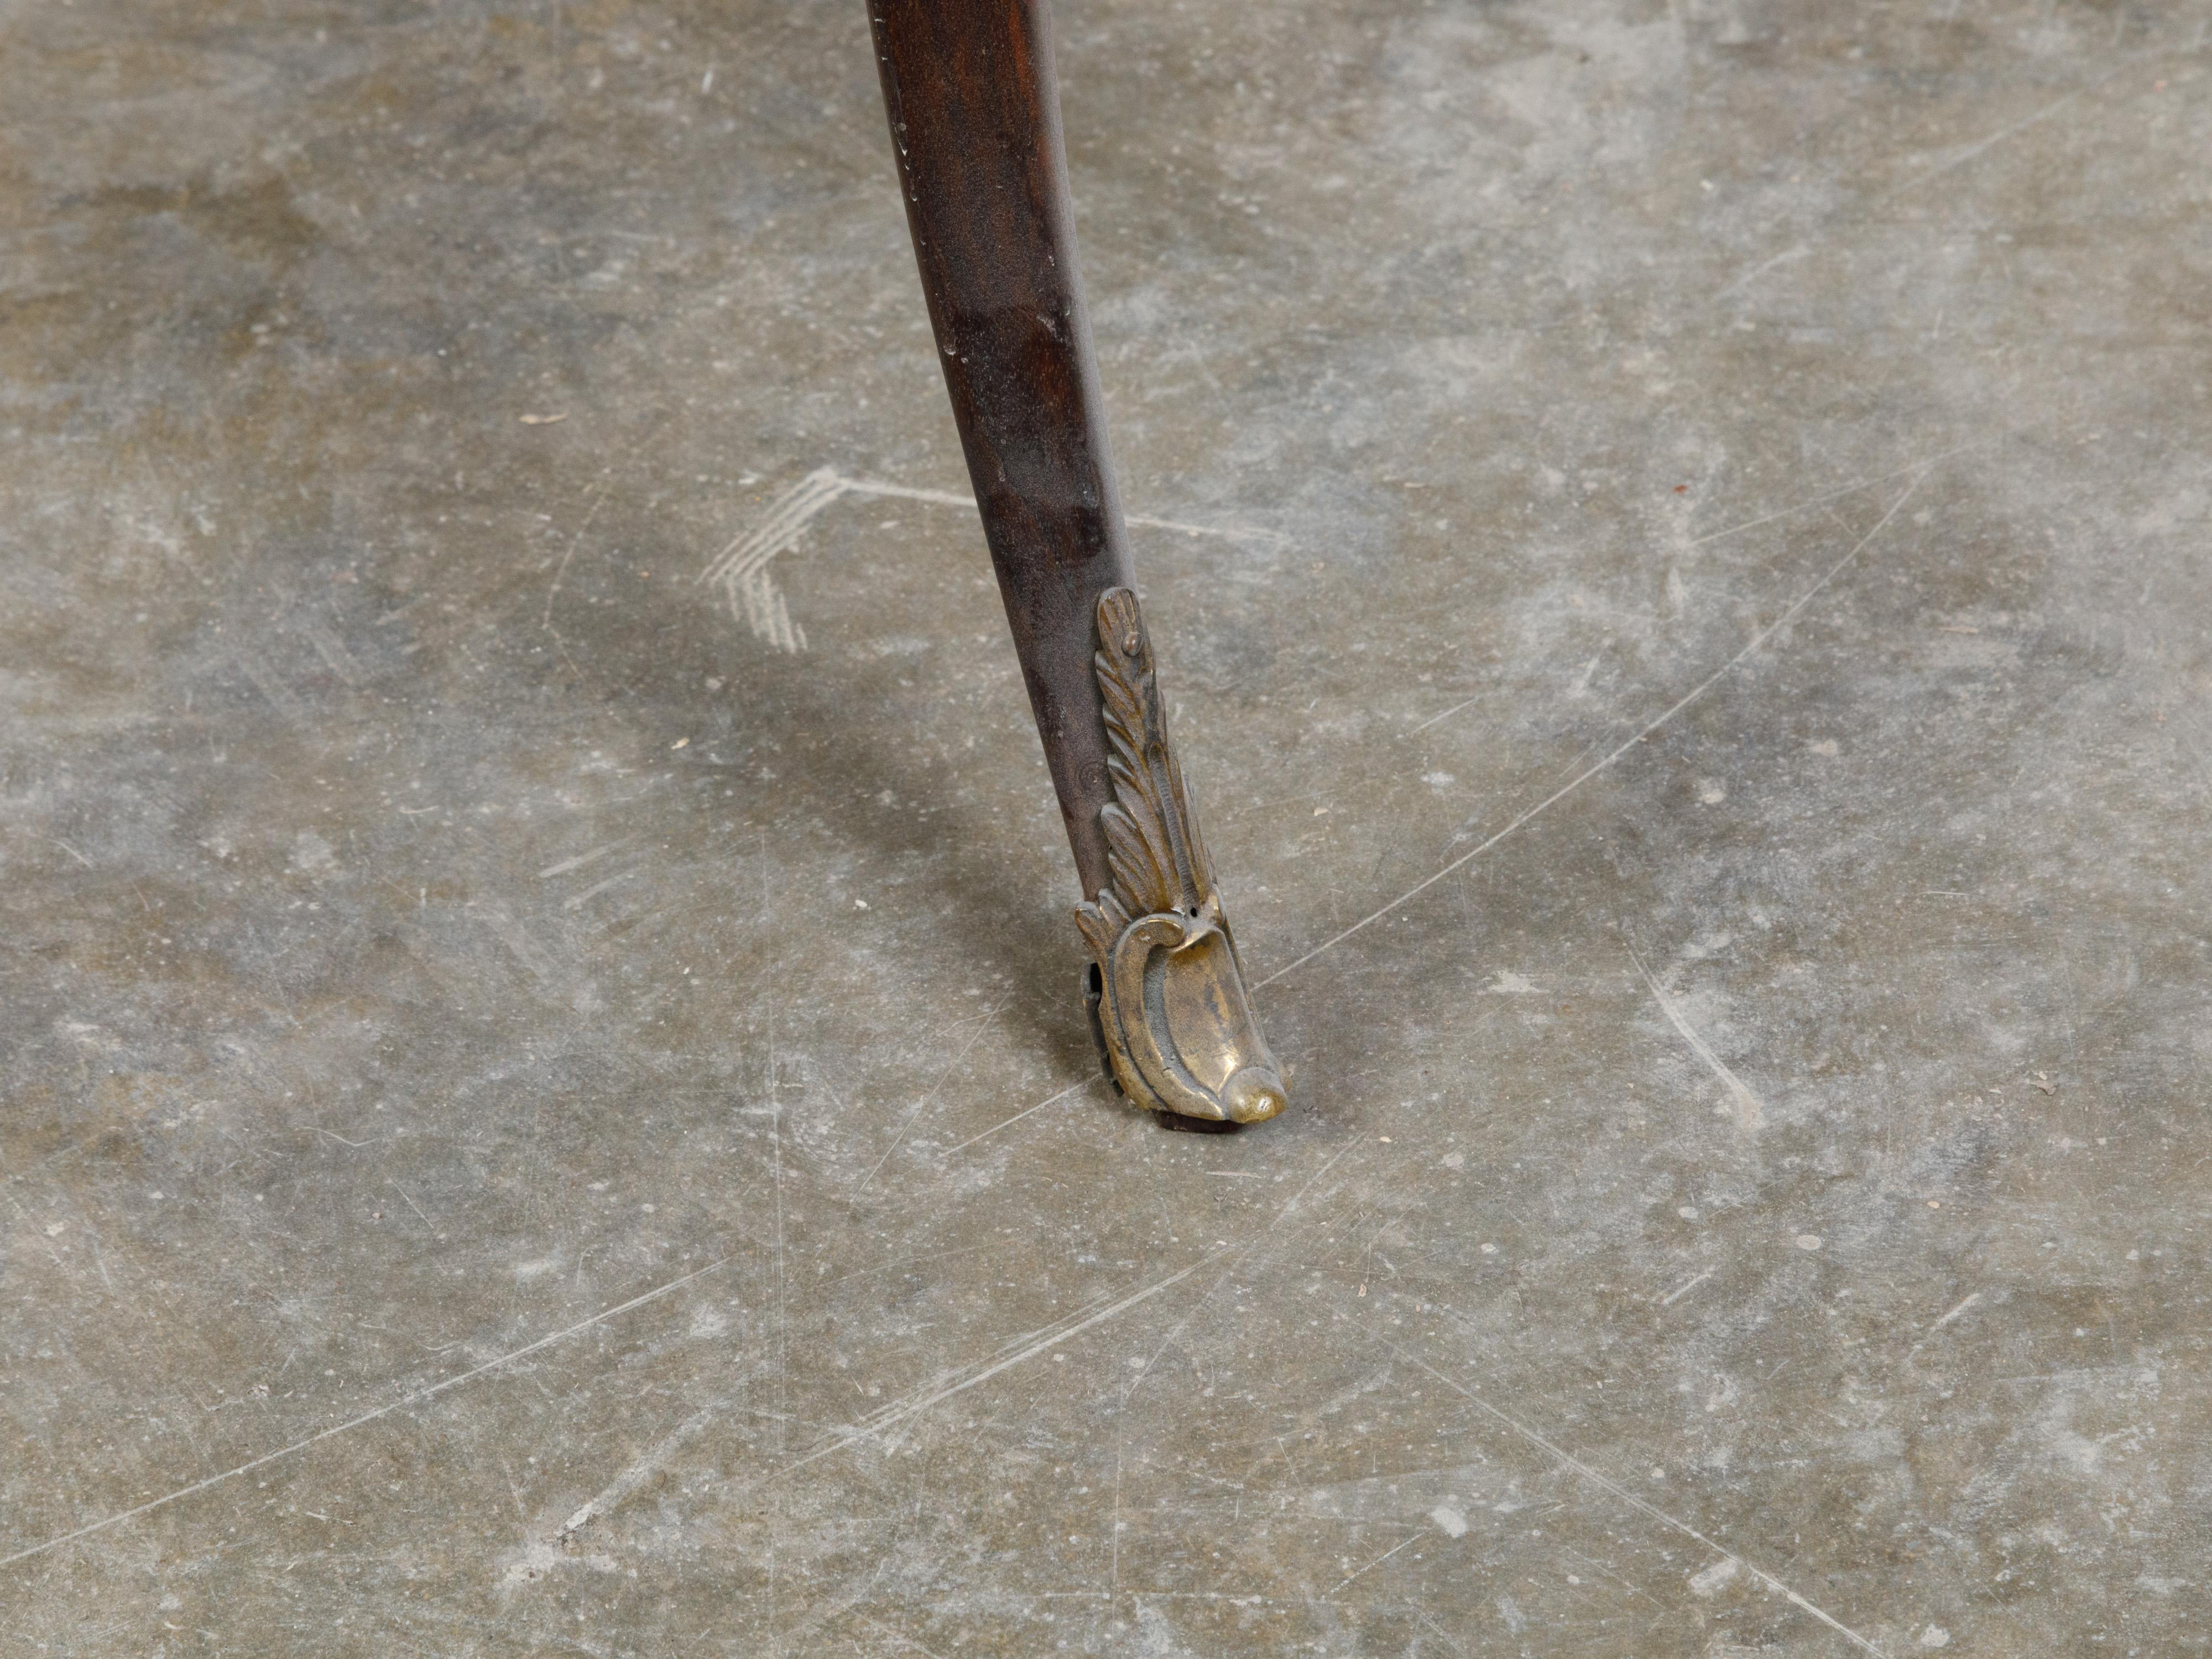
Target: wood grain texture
[(974, 120)]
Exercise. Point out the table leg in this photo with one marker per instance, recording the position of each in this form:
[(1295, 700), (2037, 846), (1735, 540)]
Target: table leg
[(975, 118)]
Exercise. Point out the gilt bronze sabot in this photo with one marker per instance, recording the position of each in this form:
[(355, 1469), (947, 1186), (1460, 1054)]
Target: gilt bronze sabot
[(1167, 988)]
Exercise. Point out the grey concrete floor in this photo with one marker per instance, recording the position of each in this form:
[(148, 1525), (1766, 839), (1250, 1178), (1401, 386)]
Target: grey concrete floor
[(545, 1105)]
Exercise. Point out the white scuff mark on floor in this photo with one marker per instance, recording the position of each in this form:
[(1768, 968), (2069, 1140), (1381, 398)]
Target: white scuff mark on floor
[(1956, 1312), (636, 1475), (1161, 1638), (1451, 1520), (741, 569), (1750, 1115), (538, 1559), (1710, 1580), (581, 859), (576, 901), (311, 853), (1509, 984)]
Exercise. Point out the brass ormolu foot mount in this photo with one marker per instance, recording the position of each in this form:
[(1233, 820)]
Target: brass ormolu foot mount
[(1167, 991)]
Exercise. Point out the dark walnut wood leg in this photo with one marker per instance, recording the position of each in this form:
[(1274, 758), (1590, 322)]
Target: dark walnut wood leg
[(974, 120)]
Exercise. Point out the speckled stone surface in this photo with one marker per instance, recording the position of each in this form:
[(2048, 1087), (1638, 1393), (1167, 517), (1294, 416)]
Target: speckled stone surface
[(546, 1109)]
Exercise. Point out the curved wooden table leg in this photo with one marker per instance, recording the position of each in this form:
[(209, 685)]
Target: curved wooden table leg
[(974, 119)]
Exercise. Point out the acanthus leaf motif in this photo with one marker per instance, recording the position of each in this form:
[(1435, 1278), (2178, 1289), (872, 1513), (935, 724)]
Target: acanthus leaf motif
[(1153, 851), (1165, 989)]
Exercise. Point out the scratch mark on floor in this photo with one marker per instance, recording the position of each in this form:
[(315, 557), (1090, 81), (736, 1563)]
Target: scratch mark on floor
[(512, 934), (578, 862), (389, 616), (1827, 495), (279, 695), (414, 1398), (1979, 146), (903, 1262), (1236, 1260), (331, 649), (411, 1204), (782, 1248), (1750, 1115), (65, 847), (1010, 1122), (598, 499), (1696, 691), (1114, 1574), (1957, 159), (1455, 1644), (1567, 1459), (44, 1238), (1600, 1567), (923, 1104), (1380, 1559), (1448, 712), (1042, 1342), (578, 900), (900, 1637), (638, 1472), (741, 569), (1787, 255), (1684, 1289), (1955, 1313), (950, 498)]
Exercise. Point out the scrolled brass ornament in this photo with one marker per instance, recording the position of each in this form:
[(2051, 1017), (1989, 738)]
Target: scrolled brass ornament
[(1167, 989)]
